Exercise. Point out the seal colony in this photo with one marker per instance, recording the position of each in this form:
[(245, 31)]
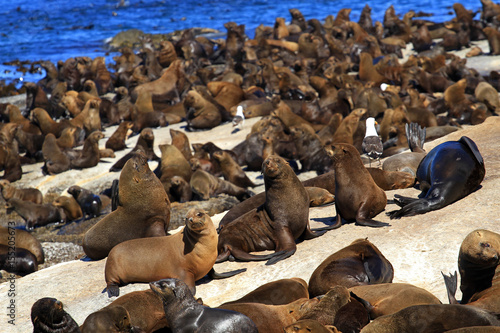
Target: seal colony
[(306, 79)]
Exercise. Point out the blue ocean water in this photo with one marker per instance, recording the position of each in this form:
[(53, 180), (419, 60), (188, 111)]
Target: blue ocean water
[(60, 29)]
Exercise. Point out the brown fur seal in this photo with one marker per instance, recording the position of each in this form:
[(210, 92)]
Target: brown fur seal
[(145, 143), (449, 172), (391, 180), (48, 125), (117, 140), (357, 196), (317, 197), (27, 194), (348, 126), (479, 266), (23, 239), (231, 170), (36, 215), (90, 203), (109, 319), (187, 255), (55, 160), (173, 163), (48, 316), (282, 218), (89, 156), (359, 263), (277, 292), (145, 311), (206, 185), (133, 218), (180, 190), (181, 141), (425, 318), (272, 318), (309, 325), (17, 260), (328, 306), (200, 113), (71, 207), (183, 313), (167, 86), (388, 298)]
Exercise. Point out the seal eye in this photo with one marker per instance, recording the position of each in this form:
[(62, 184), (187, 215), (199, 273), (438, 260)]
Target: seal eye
[(485, 245)]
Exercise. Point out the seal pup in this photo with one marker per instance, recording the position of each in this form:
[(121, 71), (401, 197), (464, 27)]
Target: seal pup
[(357, 196), (109, 319), (89, 202), (185, 315), (27, 194), (359, 263), (36, 215), (449, 172), (372, 145), (276, 224), (48, 316), (143, 210), (18, 261), (117, 140), (70, 206)]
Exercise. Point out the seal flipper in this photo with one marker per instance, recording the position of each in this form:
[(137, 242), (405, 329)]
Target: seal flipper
[(113, 290), (366, 221), (420, 206), (473, 148), (243, 256), (450, 282), (415, 136), (214, 275), (280, 256)]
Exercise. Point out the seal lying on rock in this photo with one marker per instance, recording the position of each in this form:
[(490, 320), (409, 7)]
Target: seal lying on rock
[(449, 172), (48, 316), (185, 315), (359, 263)]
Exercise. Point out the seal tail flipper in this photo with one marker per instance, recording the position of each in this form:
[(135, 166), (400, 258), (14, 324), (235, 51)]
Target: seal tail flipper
[(280, 256), (214, 275), (242, 255), (416, 137), (450, 282)]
